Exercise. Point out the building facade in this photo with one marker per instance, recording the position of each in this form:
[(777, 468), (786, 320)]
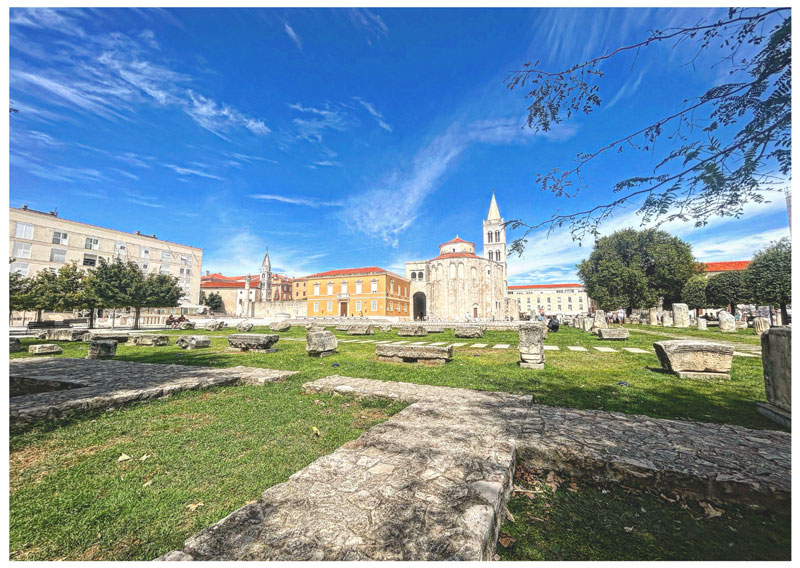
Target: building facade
[(550, 299), (39, 240), (459, 285), (370, 292)]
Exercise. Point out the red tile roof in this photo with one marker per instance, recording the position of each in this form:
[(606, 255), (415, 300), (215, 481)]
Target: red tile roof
[(456, 255), (353, 271), (726, 266), (230, 283), (526, 286), (457, 240)]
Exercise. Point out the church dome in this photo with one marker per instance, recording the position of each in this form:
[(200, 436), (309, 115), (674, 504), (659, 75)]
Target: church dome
[(457, 245)]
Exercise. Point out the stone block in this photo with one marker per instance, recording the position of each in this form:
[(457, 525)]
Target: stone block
[(531, 346), (599, 321), (150, 339), (45, 349), (702, 324), (14, 345), (186, 325), (342, 327), (361, 329), (259, 342), (587, 323), (385, 328), (760, 325), (244, 326), (413, 330), (666, 319), (680, 315), (776, 358), (321, 343), (435, 329), (280, 326), (214, 325), (118, 336), (193, 342), (65, 334), (652, 316), (427, 354), (102, 349), (469, 331), (615, 333), (690, 359), (727, 323)]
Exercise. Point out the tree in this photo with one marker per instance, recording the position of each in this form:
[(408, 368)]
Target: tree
[(694, 293), (726, 289), (157, 291), (74, 290), (113, 283), (42, 292), (18, 292), (202, 299), (727, 143), (768, 277), (214, 301), (633, 269)]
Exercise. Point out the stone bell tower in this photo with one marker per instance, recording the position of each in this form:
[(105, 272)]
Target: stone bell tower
[(265, 284), (494, 236)]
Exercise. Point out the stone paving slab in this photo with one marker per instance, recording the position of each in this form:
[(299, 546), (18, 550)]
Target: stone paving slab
[(402, 342), (551, 347), (439, 343), (459, 344), (635, 350), (501, 346), (606, 350), (104, 384), (740, 354), (479, 345), (431, 483), (576, 348), (419, 343), (382, 342)]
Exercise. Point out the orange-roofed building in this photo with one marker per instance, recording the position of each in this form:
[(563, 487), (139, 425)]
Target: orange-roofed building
[(370, 292), (713, 268)]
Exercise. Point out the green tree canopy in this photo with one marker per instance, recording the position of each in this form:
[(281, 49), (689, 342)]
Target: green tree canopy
[(42, 292), (214, 301), (694, 293), (768, 277), (75, 291), (633, 269), (726, 289)]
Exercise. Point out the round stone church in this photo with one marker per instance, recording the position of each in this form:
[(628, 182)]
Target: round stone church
[(459, 285)]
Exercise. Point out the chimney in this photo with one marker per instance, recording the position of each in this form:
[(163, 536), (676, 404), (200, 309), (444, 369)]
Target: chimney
[(208, 273), (153, 235), (54, 213), (138, 232), (24, 207)]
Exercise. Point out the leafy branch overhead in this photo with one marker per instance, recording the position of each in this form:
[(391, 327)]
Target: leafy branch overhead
[(722, 149)]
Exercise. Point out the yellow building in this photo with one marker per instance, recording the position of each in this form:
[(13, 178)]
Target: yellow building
[(370, 292), (39, 240)]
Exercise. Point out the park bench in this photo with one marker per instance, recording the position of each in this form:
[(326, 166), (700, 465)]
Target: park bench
[(46, 325)]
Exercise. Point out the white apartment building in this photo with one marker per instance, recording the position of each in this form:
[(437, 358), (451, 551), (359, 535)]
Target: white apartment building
[(39, 240), (567, 299)]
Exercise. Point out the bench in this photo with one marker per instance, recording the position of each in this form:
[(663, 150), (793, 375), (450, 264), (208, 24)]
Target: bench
[(46, 325), (76, 321)]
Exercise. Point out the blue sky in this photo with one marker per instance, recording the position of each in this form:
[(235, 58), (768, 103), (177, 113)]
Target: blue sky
[(336, 137)]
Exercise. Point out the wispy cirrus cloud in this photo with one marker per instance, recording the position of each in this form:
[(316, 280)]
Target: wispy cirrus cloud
[(375, 114), (312, 127), (370, 22), (305, 201), (293, 35), (218, 118), (191, 172)]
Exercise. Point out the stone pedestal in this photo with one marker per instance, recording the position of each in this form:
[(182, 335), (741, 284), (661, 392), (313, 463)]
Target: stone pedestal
[(680, 315), (776, 357), (652, 316), (193, 342), (45, 349), (150, 339), (727, 323), (412, 331), (531, 345), (278, 326), (702, 324), (760, 325), (468, 331), (690, 359), (321, 343), (258, 342), (102, 349), (361, 329), (666, 319), (118, 336)]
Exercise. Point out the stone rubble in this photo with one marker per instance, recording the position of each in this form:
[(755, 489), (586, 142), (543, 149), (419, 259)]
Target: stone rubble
[(45, 349), (193, 342), (14, 345), (321, 343), (760, 325), (427, 354), (258, 342), (727, 323), (102, 349), (666, 319), (215, 325), (150, 339), (361, 329), (691, 359), (118, 336), (280, 326), (244, 326), (412, 330), (186, 325), (615, 333), (468, 331)]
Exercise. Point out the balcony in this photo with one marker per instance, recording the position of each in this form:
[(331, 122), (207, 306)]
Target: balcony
[(343, 296)]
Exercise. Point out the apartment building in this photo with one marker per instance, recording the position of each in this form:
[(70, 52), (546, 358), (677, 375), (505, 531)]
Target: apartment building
[(567, 299), (39, 240), (369, 292)]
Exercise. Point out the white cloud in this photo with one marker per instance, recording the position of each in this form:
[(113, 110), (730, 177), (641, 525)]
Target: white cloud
[(306, 201), (374, 112), (219, 117), (311, 129), (189, 171), (294, 37), (369, 21)]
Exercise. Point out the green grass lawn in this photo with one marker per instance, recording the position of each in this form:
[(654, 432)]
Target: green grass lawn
[(70, 498), (747, 336), (610, 522)]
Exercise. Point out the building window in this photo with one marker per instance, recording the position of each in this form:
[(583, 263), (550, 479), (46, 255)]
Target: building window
[(358, 305), (185, 259), (316, 306), (391, 306), (344, 287), (90, 260), (330, 288), (316, 289), (21, 250), (20, 268), (358, 286), (490, 236), (166, 256), (92, 243), (163, 269), (374, 305), (413, 276), (58, 255), (329, 307), (24, 231), (143, 266), (373, 287), (497, 236), (120, 248), (144, 252), (491, 255), (59, 238), (391, 286)]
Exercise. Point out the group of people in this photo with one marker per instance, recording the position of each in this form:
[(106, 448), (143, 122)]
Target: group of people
[(175, 323)]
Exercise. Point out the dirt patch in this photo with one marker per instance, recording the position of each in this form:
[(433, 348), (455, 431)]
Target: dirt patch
[(369, 417)]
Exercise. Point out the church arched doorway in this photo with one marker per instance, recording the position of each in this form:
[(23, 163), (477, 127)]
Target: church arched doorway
[(419, 306)]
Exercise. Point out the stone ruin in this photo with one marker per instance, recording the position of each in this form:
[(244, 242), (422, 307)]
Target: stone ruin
[(150, 339), (760, 325), (118, 336), (244, 326), (652, 316), (727, 323), (62, 334), (102, 349), (469, 331), (690, 359), (321, 343), (186, 325), (666, 319), (412, 330), (531, 345), (193, 342), (427, 354), (256, 342), (615, 333), (361, 329), (215, 325), (14, 345), (680, 315), (599, 321), (776, 358), (280, 326), (702, 324), (45, 349)]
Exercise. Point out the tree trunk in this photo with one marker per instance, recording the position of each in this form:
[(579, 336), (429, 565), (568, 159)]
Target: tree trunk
[(91, 318), (113, 317), (136, 318), (784, 315), (39, 315)]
